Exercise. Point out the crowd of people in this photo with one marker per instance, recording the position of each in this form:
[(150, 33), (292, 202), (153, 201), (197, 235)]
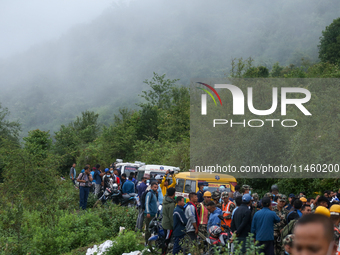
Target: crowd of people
[(280, 224)]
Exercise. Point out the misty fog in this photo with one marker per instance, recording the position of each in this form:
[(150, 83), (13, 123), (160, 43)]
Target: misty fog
[(101, 64)]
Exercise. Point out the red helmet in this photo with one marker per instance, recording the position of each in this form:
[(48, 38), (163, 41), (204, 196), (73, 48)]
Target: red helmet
[(215, 231)]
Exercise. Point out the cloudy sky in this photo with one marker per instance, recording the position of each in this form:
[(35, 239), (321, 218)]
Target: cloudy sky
[(25, 23)]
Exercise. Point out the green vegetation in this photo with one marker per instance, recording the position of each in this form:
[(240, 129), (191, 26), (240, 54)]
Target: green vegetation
[(126, 242), (39, 212), (329, 47)]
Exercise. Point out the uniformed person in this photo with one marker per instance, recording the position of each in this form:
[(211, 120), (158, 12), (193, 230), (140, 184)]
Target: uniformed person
[(246, 189), (288, 244), (256, 202), (282, 214), (216, 195), (203, 213), (227, 208), (335, 217), (200, 192)]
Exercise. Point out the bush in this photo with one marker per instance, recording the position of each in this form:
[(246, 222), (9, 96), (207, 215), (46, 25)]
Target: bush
[(51, 230), (126, 242)]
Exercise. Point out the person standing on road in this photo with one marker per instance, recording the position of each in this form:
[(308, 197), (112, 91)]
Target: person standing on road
[(214, 220), (282, 214), (151, 208), (167, 220), (241, 221), (227, 208), (128, 186), (98, 178), (164, 185), (141, 189), (159, 190), (84, 180), (73, 173), (296, 213), (313, 234), (203, 213), (179, 223), (290, 204), (192, 216), (200, 192), (237, 191), (263, 227)]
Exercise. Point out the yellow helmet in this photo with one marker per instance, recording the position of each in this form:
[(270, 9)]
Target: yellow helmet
[(207, 194), (303, 199), (335, 210), (322, 210)]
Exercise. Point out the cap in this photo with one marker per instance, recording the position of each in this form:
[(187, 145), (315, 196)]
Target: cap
[(255, 195), (268, 194), (202, 184), (288, 240), (322, 210), (281, 198), (225, 194), (207, 194), (106, 170), (158, 177), (93, 168), (245, 186), (246, 198), (303, 199), (291, 195), (335, 210), (216, 194)]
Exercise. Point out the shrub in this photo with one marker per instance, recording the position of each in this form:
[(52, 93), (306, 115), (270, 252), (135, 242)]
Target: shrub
[(126, 242)]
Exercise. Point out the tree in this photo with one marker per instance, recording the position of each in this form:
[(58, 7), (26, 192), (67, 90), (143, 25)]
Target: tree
[(329, 47), (8, 129), (159, 93), (86, 126), (38, 144)]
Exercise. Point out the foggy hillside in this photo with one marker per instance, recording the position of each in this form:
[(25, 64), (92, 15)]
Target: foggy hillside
[(101, 65)]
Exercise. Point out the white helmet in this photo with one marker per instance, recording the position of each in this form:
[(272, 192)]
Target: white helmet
[(115, 186), (158, 177)]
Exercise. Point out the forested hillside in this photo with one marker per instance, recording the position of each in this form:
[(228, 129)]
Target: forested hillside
[(100, 66)]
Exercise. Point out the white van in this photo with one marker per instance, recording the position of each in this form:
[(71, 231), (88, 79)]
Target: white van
[(127, 167), (154, 170)]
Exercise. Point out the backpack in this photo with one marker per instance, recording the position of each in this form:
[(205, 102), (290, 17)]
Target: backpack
[(288, 229), (142, 199)]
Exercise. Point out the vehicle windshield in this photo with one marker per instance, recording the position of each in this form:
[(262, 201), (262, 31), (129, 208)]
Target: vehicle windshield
[(140, 174), (215, 186), (129, 169)]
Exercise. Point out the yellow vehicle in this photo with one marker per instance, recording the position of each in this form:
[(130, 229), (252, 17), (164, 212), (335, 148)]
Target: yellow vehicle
[(187, 182)]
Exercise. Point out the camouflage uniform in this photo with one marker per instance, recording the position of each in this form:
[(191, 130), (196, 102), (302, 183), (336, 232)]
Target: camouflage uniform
[(278, 227), (244, 187), (216, 195), (336, 234), (288, 240), (202, 227)]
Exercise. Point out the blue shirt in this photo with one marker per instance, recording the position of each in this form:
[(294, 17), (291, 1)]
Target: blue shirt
[(214, 220), (263, 224), (233, 212), (92, 173), (96, 177), (160, 195), (128, 187), (141, 188), (151, 206)]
